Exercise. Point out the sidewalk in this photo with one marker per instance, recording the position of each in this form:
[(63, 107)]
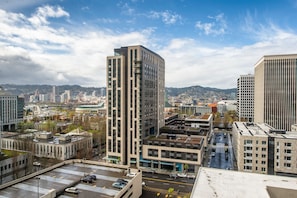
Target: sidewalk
[(164, 192)]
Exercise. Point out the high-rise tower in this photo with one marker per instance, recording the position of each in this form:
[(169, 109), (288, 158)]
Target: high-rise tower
[(135, 102), (245, 98), (276, 91)]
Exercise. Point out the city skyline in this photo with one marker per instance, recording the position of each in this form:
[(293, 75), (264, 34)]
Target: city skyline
[(206, 43)]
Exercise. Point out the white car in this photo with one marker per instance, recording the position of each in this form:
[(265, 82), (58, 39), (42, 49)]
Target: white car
[(131, 174), (72, 190), (36, 163), (181, 174)]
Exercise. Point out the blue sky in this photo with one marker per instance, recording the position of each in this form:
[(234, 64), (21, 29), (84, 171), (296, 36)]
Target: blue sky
[(204, 42)]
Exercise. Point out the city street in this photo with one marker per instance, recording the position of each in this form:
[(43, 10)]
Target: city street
[(163, 182), (221, 151)]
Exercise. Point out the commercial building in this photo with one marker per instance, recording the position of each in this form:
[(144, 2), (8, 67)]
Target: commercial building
[(222, 183), (11, 111), (179, 147), (135, 102), (276, 91), (44, 144), (245, 98), (174, 152), (260, 148)]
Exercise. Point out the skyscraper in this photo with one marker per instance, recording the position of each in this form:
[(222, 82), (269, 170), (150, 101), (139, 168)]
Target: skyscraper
[(275, 90), (135, 102), (245, 98)]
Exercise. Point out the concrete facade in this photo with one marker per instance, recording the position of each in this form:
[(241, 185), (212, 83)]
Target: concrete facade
[(135, 102), (260, 148), (11, 111), (276, 91), (245, 98), (54, 147)]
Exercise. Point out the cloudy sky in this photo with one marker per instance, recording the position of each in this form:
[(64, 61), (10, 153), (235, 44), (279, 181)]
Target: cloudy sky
[(204, 42)]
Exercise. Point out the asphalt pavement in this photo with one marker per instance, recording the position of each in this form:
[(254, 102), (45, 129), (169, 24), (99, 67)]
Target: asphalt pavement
[(221, 152)]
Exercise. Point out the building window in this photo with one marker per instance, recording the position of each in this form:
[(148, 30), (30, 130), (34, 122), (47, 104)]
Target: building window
[(263, 142), (288, 144), (288, 165), (287, 158), (288, 151)]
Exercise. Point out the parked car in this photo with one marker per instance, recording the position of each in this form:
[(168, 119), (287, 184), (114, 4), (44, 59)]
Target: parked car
[(93, 177), (72, 190), (181, 174), (87, 179), (131, 174), (36, 163), (118, 185), (122, 181)]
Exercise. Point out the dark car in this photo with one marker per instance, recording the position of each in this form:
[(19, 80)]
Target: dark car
[(122, 181), (87, 179), (93, 177)]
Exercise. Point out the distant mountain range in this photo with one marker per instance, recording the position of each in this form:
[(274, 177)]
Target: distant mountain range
[(202, 92), (193, 91)]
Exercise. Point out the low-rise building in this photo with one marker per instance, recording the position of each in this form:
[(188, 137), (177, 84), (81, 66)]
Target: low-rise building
[(260, 148), (44, 144), (172, 152)]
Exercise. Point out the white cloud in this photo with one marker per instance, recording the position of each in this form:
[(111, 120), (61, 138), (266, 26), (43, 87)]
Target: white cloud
[(216, 27), (166, 16), (43, 13), (58, 56), (190, 63)]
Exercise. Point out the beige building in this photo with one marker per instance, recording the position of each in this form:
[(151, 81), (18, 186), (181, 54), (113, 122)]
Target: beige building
[(260, 148), (44, 144), (172, 152), (245, 98), (276, 91), (135, 102)]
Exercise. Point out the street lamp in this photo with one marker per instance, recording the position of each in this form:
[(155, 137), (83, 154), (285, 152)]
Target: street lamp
[(38, 179)]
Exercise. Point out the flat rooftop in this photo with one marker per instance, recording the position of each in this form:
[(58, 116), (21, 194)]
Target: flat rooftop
[(253, 129), (201, 117), (262, 129), (222, 183), (69, 175), (179, 139)]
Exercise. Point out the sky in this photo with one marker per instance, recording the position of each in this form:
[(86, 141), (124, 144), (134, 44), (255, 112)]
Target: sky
[(204, 42)]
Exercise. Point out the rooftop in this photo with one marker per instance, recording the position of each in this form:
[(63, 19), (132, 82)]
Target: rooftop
[(179, 139), (67, 174), (221, 183), (263, 129)]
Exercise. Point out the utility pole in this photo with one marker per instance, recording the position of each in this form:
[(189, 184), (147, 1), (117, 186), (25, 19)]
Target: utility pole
[(38, 179)]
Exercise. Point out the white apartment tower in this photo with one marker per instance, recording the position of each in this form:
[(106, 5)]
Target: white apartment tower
[(276, 91), (135, 102), (245, 98)]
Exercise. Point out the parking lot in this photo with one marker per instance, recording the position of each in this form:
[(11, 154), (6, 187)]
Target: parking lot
[(69, 176)]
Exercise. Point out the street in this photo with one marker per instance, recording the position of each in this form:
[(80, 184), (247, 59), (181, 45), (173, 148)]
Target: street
[(221, 151)]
